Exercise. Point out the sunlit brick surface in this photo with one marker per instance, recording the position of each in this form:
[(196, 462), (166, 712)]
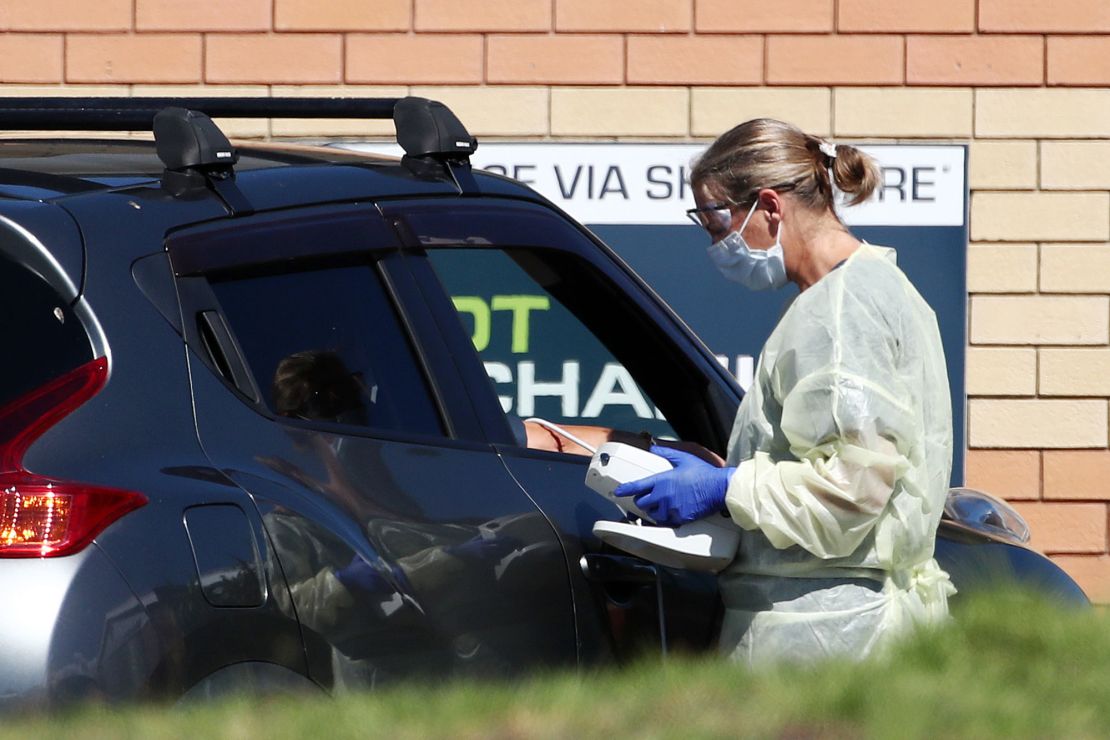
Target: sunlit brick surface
[(1002, 268), (342, 15), (1001, 371), (554, 60), (737, 60), (36, 58), (1079, 61), (608, 112), (902, 112), (133, 58), (1078, 475), (1002, 165), (399, 58), (975, 60), (249, 58), (1038, 16), (1037, 423), (1010, 474), (1075, 268), (838, 60), (65, 15), (499, 110), (1075, 372), (1049, 113), (717, 109), (1040, 216), (785, 16), (476, 15), (1042, 319), (658, 16), (913, 16), (210, 15), (1065, 528), (1075, 165)]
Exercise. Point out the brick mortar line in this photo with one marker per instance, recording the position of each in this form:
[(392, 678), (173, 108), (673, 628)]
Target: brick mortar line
[(1040, 475), (624, 58), (485, 56), (905, 59), (689, 113), (1044, 58), (766, 59)]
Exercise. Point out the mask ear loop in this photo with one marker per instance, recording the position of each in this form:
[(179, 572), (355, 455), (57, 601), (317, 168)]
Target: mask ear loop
[(751, 212)]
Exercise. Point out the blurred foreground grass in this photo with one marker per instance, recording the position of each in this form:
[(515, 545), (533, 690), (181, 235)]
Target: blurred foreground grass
[(1009, 666)]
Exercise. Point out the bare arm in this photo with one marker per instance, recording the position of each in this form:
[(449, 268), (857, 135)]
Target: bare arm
[(541, 438)]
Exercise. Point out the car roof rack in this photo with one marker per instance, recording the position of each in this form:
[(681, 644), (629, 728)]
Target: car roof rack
[(424, 127), (198, 154), (191, 145)]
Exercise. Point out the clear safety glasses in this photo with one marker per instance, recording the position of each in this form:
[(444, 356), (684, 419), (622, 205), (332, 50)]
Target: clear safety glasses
[(714, 218)]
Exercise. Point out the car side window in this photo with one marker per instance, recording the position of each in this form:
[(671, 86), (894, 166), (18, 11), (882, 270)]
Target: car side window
[(46, 341), (544, 343), (327, 346)]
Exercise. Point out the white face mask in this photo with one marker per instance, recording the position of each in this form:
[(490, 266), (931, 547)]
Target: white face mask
[(756, 269)]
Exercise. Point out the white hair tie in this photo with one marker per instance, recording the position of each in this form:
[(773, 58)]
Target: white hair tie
[(828, 149)]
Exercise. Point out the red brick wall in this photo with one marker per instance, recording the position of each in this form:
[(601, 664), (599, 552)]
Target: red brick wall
[(686, 42)]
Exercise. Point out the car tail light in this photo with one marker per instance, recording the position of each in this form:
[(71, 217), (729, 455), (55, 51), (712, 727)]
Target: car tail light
[(42, 516)]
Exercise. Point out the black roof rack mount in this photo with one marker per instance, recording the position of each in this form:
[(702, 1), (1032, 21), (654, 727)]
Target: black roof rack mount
[(187, 139)]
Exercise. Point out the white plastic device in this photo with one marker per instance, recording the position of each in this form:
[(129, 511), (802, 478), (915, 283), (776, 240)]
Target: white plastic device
[(699, 545), (615, 463), (705, 544)]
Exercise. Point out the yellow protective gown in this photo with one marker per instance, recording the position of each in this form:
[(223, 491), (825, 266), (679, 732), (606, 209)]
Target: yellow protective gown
[(843, 448)]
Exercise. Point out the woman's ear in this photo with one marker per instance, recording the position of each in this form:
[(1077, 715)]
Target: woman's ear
[(771, 201)]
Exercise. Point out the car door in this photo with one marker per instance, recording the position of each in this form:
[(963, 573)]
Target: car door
[(554, 326), (321, 387)]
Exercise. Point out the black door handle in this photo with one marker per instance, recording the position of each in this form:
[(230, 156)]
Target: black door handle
[(611, 568)]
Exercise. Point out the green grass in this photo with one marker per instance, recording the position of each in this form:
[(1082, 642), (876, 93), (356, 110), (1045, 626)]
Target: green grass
[(1009, 666)]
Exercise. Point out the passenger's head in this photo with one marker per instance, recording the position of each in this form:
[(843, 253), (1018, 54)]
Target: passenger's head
[(316, 385), (766, 154)]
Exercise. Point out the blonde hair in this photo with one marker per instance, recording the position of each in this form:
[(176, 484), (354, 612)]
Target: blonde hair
[(765, 153)]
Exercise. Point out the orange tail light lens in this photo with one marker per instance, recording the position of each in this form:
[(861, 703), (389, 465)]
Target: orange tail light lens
[(40, 516)]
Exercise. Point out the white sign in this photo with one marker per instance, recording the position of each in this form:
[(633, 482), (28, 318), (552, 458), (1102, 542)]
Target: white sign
[(648, 183)]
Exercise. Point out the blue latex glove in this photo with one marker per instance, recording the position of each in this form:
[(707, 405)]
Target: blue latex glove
[(694, 489)]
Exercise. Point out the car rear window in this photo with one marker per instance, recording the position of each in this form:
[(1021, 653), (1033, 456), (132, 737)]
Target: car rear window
[(43, 336)]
